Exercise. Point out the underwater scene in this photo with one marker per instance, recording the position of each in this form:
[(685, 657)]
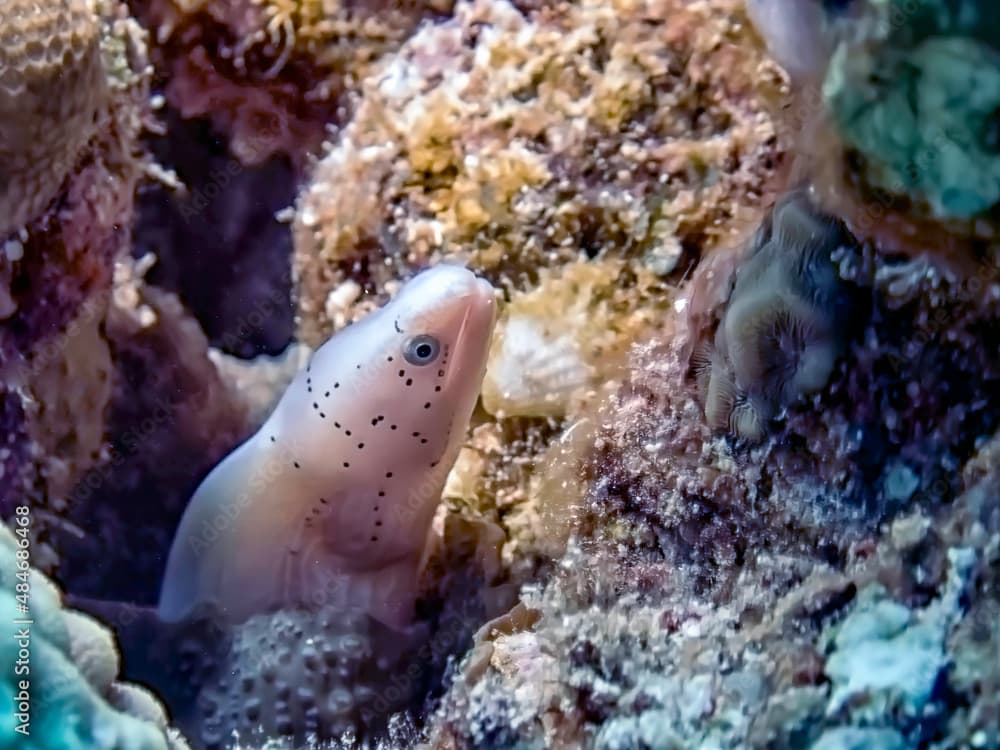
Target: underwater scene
[(500, 374)]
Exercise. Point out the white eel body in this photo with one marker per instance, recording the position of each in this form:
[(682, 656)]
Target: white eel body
[(331, 500)]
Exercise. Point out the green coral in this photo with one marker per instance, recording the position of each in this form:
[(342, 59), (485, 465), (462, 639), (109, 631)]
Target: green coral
[(72, 663), (921, 102)]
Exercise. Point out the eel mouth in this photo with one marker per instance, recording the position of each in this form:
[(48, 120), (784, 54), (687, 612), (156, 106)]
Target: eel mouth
[(475, 332)]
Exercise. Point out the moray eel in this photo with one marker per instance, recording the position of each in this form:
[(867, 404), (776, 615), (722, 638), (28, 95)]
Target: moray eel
[(331, 500)]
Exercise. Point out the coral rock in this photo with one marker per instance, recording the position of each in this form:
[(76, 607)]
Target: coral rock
[(74, 699), (272, 74), (300, 674), (789, 318), (52, 91)]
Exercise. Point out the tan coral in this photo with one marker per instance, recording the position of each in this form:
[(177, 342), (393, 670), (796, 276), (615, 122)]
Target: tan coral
[(502, 138), (52, 91)]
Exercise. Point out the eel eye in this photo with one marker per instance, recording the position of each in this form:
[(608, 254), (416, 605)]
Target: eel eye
[(421, 350)]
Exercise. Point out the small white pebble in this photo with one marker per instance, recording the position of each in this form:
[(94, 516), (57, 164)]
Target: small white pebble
[(691, 629), (14, 250), (339, 301)]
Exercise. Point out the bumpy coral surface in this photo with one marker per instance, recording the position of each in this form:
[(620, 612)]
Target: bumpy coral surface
[(516, 142), (309, 674), (51, 95)]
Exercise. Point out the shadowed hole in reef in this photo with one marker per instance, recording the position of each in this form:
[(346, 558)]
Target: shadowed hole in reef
[(221, 235), (220, 249)]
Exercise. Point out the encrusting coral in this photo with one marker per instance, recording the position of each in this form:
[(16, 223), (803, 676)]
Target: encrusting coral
[(544, 148), (68, 696), (273, 74), (79, 70), (52, 94), (580, 157), (704, 600)]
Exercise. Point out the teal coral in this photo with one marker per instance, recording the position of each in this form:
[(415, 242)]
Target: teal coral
[(885, 657), (70, 684), (888, 660), (853, 738), (920, 102)]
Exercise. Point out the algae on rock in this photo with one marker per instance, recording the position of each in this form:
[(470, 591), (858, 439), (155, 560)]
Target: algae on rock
[(920, 100)]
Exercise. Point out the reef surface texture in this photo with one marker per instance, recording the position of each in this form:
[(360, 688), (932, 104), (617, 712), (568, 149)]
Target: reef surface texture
[(732, 476), (70, 665)]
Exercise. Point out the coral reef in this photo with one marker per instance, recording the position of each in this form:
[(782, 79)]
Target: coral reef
[(733, 596), (78, 157), (732, 480), (53, 91), (628, 651), (68, 694), (794, 305), (926, 124), (273, 74), (581, 158), (551, 146)]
